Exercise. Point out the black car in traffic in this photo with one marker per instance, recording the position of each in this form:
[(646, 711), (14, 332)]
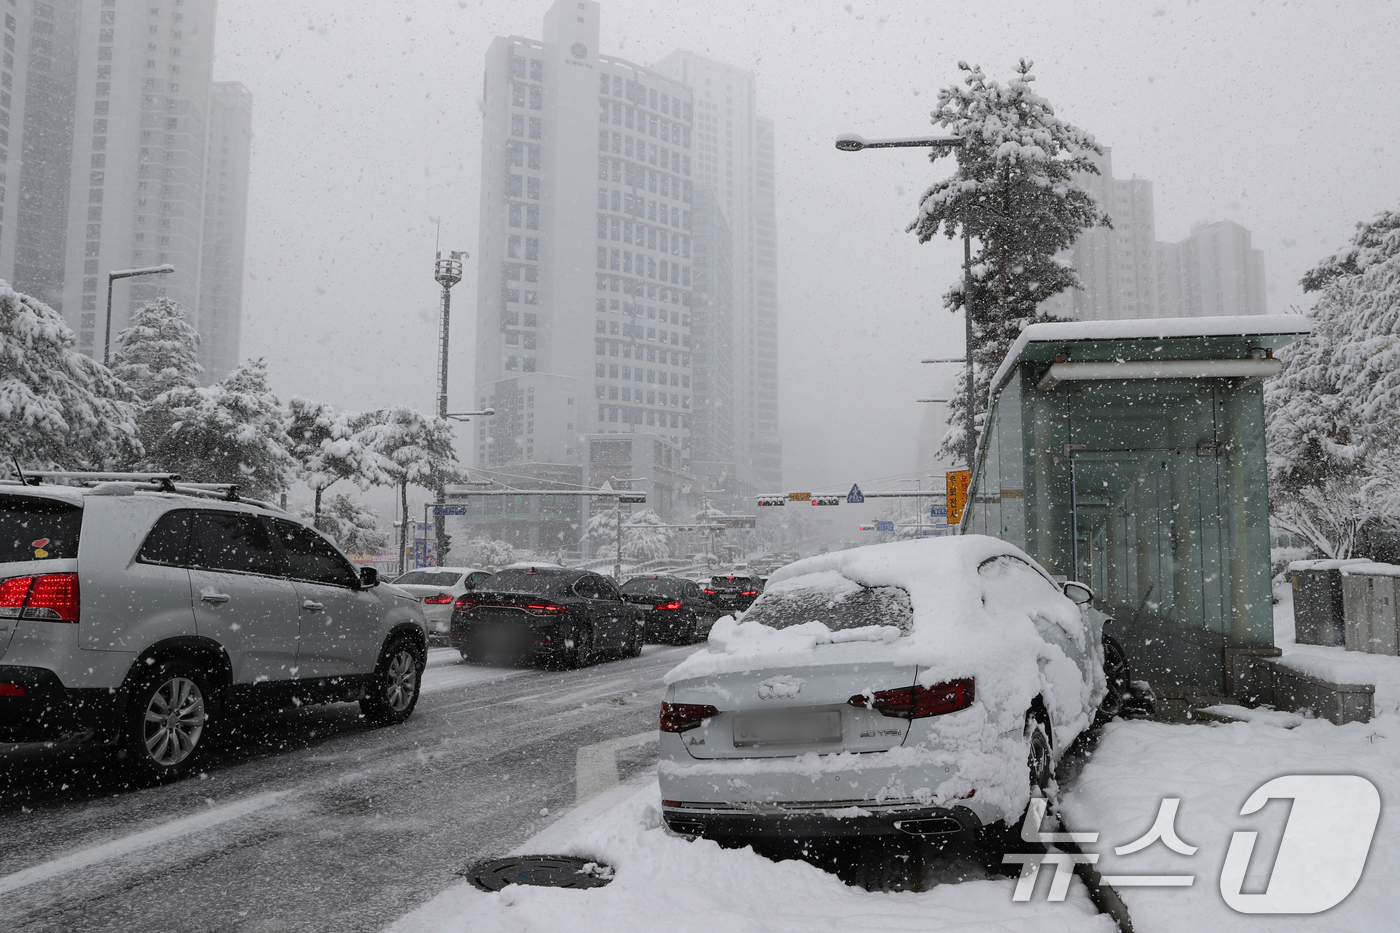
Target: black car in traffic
[(734, 593), (675, 609), (566, 617)]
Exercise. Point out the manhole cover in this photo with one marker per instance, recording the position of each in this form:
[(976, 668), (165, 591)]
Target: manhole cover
[(550, 871)]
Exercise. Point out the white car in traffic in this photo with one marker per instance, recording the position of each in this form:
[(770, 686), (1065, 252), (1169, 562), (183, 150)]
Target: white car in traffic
[(925, 688), (437, 589)]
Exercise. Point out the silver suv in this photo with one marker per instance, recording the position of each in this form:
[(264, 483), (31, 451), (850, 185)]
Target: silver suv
[(136, 612)]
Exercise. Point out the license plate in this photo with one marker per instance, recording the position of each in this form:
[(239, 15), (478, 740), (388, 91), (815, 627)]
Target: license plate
[(788, 729)]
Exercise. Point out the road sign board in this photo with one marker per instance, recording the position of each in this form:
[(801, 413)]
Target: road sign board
[(938, 511), (740, 521), (826, 500), (799, 497), (772, 500), (632, 497), (867, 527), (958, 482), (449, 510), (855, 496), (884, 526)]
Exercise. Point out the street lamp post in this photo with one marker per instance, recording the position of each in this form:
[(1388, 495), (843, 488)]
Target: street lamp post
[(112, 277), (850, 142)]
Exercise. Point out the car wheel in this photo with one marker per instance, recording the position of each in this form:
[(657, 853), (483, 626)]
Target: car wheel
[(394, 686), (167, 721), (581, 647), (1038, 760), (1119, 677), (639, 638)]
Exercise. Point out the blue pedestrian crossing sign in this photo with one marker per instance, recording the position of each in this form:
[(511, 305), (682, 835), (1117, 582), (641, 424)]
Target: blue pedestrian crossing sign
[(855, 496)]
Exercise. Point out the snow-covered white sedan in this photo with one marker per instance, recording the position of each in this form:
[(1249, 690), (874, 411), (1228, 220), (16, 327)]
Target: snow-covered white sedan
[(926, 688), (437, 589)]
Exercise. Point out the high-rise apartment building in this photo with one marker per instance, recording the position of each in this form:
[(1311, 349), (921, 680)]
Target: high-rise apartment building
[(1126, 273), (226, 170), (585, 255), (712, 334), (1214, 271), (111, 108), (734, 152)]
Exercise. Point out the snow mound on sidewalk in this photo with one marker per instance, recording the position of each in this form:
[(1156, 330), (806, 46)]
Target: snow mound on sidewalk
[(1213, 770), (666, 883)]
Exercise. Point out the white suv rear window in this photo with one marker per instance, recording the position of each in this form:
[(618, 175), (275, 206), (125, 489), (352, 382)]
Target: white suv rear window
[(34, 528)]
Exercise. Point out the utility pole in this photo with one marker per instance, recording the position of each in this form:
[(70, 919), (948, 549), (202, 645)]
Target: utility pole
[(447, 273)]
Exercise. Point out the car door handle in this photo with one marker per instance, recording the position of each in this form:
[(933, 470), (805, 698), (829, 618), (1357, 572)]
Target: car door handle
[(214, 597), (312, 606)]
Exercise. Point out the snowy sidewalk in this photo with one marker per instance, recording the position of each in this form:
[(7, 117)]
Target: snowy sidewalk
[(666, 883)]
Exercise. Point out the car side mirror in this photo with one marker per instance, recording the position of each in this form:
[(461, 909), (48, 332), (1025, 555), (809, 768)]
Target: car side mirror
[(1079, 594), (369, 577)]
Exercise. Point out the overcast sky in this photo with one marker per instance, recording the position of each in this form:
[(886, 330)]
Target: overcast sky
[(1280, 116)]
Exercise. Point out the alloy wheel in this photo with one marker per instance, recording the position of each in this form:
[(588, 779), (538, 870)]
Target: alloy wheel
[(174, 721), (399, 680)]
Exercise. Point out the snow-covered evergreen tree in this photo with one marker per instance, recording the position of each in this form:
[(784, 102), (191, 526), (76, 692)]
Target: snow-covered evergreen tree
[(352, 524), (1015, 186), (1333, 437), (58, 408), (412, 448), (645, 537), (326, 447), (601, 534), (483, 552), (229, 432), (158, 351)]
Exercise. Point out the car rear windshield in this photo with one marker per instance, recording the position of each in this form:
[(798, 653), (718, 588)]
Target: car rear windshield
[(731, 581), (429, 578), (653, 588), (531, 582), (32, 528), (841, 606)]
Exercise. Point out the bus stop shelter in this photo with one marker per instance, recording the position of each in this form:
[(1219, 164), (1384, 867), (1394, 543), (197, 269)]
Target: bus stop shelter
[(1129, 455)]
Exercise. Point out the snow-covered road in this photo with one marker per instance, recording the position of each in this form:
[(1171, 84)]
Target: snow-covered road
[(309, 820)]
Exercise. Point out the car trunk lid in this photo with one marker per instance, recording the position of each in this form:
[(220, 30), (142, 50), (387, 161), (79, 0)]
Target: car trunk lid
[(801, 706)]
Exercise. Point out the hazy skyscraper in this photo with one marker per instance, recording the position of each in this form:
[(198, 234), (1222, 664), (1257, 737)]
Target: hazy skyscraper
[(585, 275), (1214, 271), (106, 116), (734, 152), (225, 222)]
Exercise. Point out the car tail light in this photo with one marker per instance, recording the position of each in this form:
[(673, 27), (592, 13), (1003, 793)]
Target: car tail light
[(441, 599), (545, 609), (464, 602), (918, 702), (11, 690), (680, 717), (49, 597), (673, 604), (709, 592), (748, 592)]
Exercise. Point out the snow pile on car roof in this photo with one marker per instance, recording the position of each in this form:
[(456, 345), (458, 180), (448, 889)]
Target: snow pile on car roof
[(979, 610)]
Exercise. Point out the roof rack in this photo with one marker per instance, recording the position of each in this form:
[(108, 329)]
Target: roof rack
[(162, 482)]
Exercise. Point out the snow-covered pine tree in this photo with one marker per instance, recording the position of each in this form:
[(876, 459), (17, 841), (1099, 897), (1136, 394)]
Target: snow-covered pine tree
[(58, 408), (646, 537), (1333, 441), (1015, 179), (601, 533), (412, 448), (353, 525), (229, 432), (326, 447), (158, 351), (484, 553)]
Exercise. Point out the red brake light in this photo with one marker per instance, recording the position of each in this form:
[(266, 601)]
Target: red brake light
[(464, 602), (11, 690), (920, 702), (680, 717), (710, 592), (673, 604), (50, 597), (441, 599), (12, 593), (748, 592), (545, 609)]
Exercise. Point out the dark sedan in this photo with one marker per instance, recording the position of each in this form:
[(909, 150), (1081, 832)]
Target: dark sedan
[(568, 617), (734, 593), (676, 610)]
